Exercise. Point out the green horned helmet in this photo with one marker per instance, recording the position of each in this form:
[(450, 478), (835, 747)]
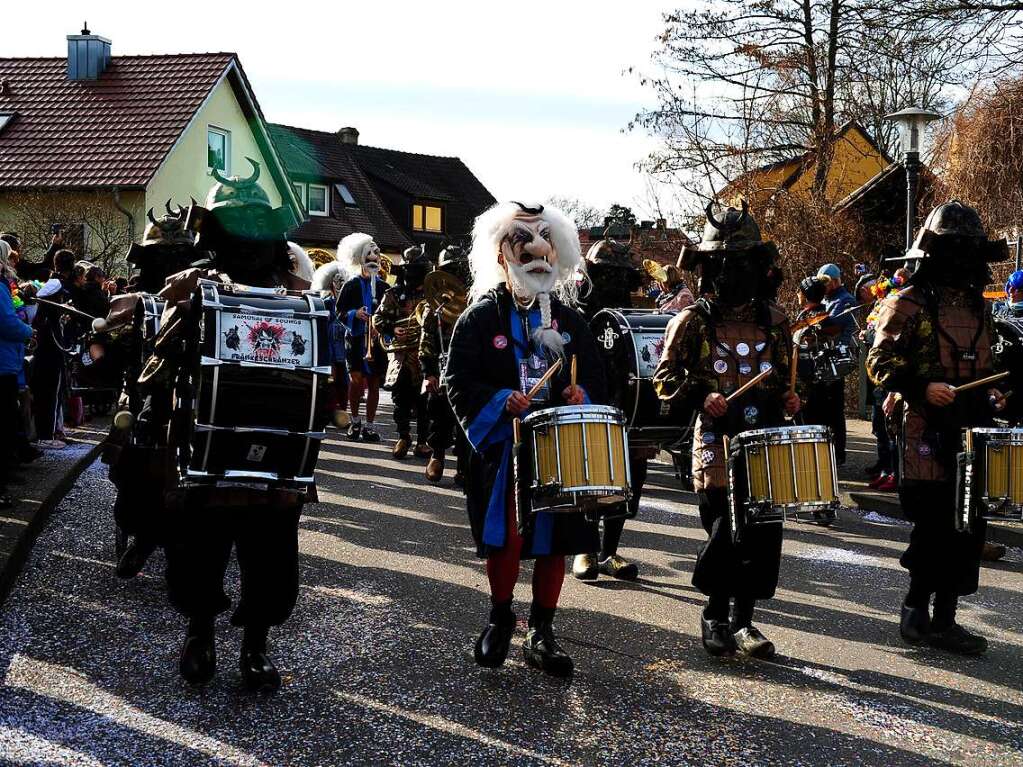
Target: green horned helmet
[(240, 208), (237, 192)]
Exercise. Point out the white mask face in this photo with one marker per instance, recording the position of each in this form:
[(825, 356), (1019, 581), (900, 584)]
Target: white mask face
[(371, 258), (529, 257)]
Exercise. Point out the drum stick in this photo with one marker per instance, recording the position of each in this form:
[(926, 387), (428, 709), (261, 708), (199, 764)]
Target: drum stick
[(749, 384), (546, 377), (575, 370), (795, 368), (981, 382)]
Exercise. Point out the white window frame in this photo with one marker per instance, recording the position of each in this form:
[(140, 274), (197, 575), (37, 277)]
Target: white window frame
[(326, 200), (227, 148), (302, 190)]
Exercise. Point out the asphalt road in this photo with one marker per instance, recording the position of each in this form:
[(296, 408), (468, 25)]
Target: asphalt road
[(378, 665)]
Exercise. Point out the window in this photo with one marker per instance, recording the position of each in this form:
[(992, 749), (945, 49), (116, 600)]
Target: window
[(300, 193), (319, 202), (5, 119), (218, 149), (346, 195), (427, 218)]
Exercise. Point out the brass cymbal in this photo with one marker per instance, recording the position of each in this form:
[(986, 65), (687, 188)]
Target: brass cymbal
[(440, 286)]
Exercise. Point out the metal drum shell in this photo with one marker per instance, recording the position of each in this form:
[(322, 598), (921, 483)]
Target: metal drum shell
[(570, 473), (999, 473)]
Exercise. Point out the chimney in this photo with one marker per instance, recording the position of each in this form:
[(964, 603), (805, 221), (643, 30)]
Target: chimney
[(87, 55), (349, 135)]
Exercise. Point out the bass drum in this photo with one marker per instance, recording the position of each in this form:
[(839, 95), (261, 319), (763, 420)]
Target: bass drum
[(1007, 348), (630, 342)]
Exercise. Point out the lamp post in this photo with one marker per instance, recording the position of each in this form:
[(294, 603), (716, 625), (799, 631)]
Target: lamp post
[(912, 123)]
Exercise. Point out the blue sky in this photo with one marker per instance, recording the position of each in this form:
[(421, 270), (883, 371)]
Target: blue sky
[(531, 95)]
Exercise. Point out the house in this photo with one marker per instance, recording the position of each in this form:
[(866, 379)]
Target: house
[(400, 198), (648, 240), (92, 141), (856, 159)]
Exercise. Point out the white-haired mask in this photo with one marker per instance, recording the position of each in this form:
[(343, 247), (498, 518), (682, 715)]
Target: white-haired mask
[(360, 254), (529, 256)]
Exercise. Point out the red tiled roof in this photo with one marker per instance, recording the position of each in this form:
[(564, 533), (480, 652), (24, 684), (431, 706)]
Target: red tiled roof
[(115, 130)]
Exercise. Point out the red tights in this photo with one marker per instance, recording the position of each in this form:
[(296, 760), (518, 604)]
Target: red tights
[(503, 569)]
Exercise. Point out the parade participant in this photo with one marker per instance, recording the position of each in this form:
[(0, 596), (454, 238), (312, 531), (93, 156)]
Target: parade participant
[(501, 347), (675, 294), (613, 276), (359, 298), (931, 336), (396, 322), (328, 279), (831, 394), (244, 237), (732, 333), (438, 325)]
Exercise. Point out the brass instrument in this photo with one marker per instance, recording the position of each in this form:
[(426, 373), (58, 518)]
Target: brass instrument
[(319, 256), (407, 331), (446, 294), (386, 264), (655, 270)]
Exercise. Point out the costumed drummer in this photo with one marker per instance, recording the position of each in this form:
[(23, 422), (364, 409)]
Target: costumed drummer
[(434, 342), (933, 335), (523, 259), (613, 277), (395, 321), (731, 334), (359, 298), (245, 238)]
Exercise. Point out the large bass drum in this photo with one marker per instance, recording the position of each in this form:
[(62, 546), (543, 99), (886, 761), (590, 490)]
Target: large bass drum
[(630, 342), (251, 408)]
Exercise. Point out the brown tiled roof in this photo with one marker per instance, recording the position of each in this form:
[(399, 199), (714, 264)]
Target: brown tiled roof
[(115, 130), (317, 156)]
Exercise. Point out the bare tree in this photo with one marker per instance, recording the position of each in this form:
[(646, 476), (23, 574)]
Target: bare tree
[(585, 216)]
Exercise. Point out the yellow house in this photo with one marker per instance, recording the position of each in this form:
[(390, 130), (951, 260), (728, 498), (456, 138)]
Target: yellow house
[(91, 142), (856, 159)]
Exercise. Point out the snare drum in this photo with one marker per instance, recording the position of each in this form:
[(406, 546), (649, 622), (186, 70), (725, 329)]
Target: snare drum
[(777, 473), (630, 342), (251, 409), (996, 483), (580, 458)]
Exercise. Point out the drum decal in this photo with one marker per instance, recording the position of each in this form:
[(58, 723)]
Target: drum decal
[(720, 367), (649, 347), (276, 340), (742, 349), (256, 453), (608, 338)]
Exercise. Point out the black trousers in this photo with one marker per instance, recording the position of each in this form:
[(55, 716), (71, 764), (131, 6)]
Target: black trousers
[(139, 506), (940, 559), (826, 407), (444, 429), (612, 533), (48, 390), (265, 539), (10, 416), (747, 570), (409, 404)]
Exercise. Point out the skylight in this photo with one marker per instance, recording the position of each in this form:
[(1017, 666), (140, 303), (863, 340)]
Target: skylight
[(5, 118), (346, 195)]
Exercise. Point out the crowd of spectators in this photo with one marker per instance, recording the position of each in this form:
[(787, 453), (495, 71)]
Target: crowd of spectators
[(40, 336)]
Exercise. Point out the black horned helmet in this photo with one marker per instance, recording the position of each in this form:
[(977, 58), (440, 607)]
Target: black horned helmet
[(957, 225), (168, 230), (734, 231)]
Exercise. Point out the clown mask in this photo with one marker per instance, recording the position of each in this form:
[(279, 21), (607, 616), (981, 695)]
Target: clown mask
[(530, 260), (370, 259)]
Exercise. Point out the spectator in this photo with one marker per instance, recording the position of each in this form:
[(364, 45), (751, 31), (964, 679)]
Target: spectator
[(49, 374), (832, 394), (13, 335), (31, 270)]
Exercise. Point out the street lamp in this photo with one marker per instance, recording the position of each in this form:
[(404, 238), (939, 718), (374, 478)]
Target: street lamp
[(912, 123)]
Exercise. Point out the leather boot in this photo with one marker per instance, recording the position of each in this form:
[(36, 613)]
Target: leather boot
[(258, 672), (134, 558), (435, 468), (946, 634), (492, 645), (717, 636), (401, 446), (198, 655), (540, 649), (585, 567), (422, 451), (915, 624)]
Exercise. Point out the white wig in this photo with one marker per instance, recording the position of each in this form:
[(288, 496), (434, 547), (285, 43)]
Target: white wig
[(301, 265), (350, 251), (490, 229)]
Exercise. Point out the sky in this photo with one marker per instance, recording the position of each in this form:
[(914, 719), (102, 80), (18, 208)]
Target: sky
[(533, 96)]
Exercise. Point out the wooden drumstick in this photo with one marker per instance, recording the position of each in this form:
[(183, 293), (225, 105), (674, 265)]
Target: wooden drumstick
[(546, 377), (795, 368), (575, 369), (749, 384), (980, 382)]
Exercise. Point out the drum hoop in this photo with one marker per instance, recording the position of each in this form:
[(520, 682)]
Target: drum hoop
[(575, 414), (995, 435), (784, 435)]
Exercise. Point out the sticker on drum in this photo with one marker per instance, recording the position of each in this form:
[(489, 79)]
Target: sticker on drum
[(707, 456), (608, 338), (742, 349), (765, 366), (745, 368), (709, 438), (720, 366), (750, 414), (760, 346)]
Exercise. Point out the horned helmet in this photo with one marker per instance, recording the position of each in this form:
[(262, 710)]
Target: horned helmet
[(952, 247)]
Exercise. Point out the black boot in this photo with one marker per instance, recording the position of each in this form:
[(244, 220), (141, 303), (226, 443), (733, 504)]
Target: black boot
[(492, 646), (717, 634), (948, 635), (134, 558), (258, 672), (541, 650), (915, 624), (198, 656)]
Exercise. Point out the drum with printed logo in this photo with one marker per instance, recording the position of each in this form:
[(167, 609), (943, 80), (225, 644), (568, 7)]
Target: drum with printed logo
[(250, 408), (991, 476), (630, 342)]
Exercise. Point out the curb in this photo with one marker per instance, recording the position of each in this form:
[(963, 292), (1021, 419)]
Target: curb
[(11, 568), (1008, 534)]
